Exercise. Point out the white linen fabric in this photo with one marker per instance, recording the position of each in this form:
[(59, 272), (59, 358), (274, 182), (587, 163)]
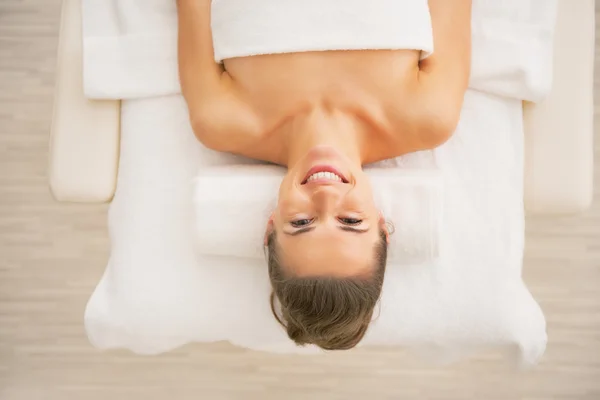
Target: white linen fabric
[(158, 293), (130, 50)]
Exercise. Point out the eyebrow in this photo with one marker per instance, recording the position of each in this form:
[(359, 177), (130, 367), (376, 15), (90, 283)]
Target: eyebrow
[(300, 231), (312, 228), (351, 229)]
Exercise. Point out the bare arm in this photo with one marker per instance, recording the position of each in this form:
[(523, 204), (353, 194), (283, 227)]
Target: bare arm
[(424, 112), (444, 75), (220, 120), (199, 74)]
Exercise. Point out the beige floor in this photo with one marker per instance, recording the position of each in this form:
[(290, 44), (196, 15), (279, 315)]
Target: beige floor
[(51, 255)]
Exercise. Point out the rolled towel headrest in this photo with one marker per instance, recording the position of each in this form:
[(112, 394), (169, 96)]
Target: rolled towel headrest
[(233, 204)]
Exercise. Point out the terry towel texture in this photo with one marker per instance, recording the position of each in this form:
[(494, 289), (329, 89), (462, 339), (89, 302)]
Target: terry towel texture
[(130, 45), (250, 27), (473, 297)]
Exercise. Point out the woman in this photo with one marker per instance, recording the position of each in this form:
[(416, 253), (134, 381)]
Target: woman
[(323, 115)]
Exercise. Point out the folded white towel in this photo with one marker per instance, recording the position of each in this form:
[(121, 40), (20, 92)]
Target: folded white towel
[(230, 225), (250, 27), (130, 45), (512, 48)]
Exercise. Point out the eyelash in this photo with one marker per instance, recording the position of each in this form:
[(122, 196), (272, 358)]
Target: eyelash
[(297, 224), (301, 223), (350, 221)]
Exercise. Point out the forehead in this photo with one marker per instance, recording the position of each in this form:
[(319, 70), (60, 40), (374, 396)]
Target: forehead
[(328, 252)]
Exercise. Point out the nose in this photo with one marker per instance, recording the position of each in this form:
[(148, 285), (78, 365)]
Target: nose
[(325, 198)]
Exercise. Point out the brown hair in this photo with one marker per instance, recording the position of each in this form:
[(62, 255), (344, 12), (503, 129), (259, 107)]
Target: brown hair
[(332, 313)]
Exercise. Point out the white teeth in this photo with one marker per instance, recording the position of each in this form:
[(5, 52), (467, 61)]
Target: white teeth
[(325, 175)]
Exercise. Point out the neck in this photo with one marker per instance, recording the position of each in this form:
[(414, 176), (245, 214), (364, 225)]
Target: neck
[(318, 128)]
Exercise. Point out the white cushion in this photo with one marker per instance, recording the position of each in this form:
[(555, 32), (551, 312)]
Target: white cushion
[(559, 140), (84, 138)]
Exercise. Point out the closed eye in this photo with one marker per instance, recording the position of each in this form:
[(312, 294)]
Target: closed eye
[(350, 221), (301, 223), (312, 228)]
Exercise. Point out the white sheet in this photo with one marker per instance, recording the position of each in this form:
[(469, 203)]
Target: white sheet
[(130, 52), (157, 294)]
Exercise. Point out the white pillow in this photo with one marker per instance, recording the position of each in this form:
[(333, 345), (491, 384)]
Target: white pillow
[(233, 203), (157, 293)]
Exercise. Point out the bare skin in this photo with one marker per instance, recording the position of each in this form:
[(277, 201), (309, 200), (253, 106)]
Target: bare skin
[(337, 109)]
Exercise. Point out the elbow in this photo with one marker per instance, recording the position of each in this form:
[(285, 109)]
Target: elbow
[(443, 128), (439, 125), (204, 130), (200, 128)]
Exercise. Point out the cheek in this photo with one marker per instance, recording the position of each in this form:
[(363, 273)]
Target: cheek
[(362, 197), (289, 205), (285, 203), (290, 197), (282, 196), (285, 188)]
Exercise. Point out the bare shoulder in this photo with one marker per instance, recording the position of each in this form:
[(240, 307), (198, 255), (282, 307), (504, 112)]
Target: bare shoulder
[(229, 122), (416, 116), (226, 122), (423, 111), (220, 117)]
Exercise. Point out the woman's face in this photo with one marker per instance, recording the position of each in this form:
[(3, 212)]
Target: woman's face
[(326, 219)]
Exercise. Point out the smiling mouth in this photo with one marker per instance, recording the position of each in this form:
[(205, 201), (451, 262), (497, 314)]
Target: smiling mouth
[(324, 174)]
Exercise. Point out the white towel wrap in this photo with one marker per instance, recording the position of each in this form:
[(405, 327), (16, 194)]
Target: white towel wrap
[(251, 27), (130, 46)]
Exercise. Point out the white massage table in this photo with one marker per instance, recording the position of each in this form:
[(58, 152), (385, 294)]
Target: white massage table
[(84, 147)]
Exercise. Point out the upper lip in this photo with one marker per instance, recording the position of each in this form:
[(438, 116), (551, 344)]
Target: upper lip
[(324, 168)]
